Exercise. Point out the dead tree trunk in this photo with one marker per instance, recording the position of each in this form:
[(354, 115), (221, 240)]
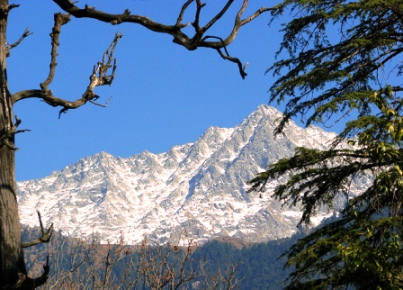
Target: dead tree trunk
[(12, 266)]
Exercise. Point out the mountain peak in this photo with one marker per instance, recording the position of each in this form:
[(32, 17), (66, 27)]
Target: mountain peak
[(268, 110), (198, 188)]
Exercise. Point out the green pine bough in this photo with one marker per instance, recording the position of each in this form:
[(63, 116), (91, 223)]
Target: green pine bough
[(341, 61)]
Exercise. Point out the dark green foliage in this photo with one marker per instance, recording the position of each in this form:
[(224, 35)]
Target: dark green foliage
[(260, 266), (338, 50), (344, 60), (364, 254)]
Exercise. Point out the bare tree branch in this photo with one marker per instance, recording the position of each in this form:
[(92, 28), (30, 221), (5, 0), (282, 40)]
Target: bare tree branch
[(25, 34), (25, 282), (44, 238), (198, 30), (230, 58), (44, 277), (99, 77), (257, 13), (12, 6), (8, 134), (180, 17), (179, 37), (60, 19), (100, 74), (218, 16), (237, 25)]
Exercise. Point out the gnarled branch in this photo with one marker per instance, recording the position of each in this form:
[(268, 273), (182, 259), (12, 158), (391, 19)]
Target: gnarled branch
[(100, 76), (9, 133), (179, 37), (25, 282), (60, 19), (230, 58), (15, 44), (182, 12), (44, 238)]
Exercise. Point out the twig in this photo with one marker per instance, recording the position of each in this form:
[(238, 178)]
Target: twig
[(15, 44), (230, 58)]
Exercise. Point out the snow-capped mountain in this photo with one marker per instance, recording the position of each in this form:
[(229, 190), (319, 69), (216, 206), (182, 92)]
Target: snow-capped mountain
[(198, 188)]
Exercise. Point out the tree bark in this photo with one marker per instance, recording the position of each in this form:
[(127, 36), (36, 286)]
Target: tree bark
[(12, 266)]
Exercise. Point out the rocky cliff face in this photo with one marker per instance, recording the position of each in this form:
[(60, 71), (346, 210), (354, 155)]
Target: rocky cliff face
[(198, 187)]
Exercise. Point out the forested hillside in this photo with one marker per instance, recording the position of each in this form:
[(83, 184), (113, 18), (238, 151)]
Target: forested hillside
[(77, 263)]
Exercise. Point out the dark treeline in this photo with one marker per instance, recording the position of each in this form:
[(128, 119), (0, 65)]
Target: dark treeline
[(83, 264), (260, 264)]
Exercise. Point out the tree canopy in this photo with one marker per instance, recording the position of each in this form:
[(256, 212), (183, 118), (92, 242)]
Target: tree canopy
[(340, 61)]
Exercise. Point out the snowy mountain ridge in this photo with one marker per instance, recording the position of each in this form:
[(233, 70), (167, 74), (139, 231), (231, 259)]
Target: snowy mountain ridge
[(197, 187)]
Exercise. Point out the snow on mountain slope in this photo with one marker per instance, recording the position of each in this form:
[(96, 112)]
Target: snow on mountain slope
[(197, 187)]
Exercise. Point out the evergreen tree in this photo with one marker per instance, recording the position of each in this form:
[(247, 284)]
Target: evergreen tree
[(344, 59)]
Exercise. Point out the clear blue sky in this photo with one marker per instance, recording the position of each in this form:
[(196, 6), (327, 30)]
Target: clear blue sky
[(163, 95)]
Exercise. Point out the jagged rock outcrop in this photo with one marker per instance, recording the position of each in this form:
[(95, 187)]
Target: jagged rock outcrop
[(198, 187)]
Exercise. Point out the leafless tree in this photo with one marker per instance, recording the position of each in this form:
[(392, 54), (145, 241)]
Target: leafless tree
[(13, 273), (87, 264)]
